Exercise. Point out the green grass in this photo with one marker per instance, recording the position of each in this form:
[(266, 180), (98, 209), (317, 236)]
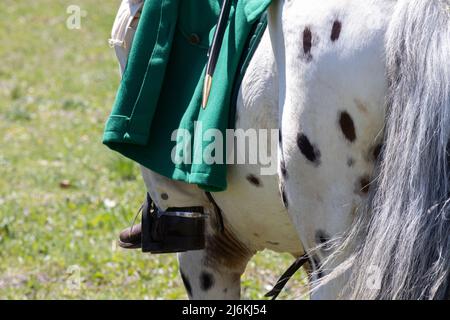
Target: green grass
[(63, 195)]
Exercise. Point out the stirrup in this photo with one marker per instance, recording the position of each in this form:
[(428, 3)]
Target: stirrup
[(173, 230), (170, 231)]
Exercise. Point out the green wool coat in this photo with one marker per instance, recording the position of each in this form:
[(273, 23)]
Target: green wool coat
[(161, 88)]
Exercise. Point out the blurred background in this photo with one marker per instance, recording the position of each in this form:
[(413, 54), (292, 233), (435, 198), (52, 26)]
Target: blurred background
[(63, 195)]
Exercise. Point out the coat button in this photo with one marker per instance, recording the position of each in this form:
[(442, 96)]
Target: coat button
[(194, 38)]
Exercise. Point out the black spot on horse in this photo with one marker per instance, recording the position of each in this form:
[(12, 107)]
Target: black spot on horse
[(283, 196), (350, 162), (318, 267), (336, 30), (164, 196), (322, 239), (347, 126), (307, 43), (254, 180), (364, 185), (307, 40), (307, 149), (206, 281), (186, 283), (283, 169), (377, 151)]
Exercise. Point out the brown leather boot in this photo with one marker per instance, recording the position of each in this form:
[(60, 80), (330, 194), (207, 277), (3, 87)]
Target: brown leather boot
[(130, 238)]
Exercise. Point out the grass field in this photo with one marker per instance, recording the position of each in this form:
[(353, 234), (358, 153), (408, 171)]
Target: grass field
[(63, 195)]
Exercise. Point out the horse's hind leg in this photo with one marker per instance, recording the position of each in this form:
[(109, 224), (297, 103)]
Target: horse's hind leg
[(215, 273)]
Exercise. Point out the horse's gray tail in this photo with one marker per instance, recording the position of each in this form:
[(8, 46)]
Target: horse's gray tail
[(406, 232)]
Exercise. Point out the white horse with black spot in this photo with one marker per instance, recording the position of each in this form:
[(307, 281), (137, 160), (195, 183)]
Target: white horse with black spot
[(360, 91)]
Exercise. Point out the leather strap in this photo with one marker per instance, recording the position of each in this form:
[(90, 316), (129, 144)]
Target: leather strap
[(287, 275)]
